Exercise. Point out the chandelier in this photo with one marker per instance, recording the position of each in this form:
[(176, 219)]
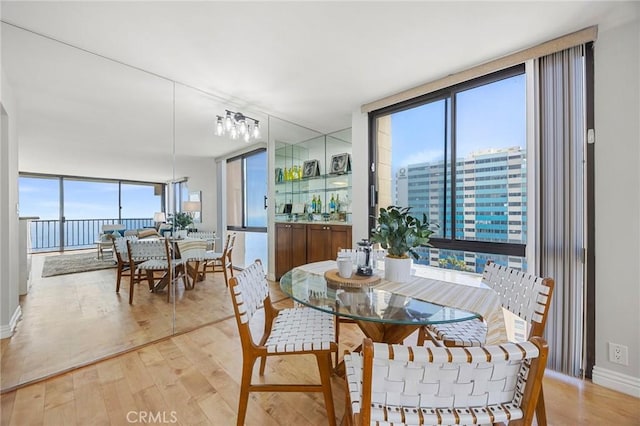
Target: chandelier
[(238, 125)]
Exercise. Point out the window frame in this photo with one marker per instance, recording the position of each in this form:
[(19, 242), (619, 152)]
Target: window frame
[(449, 95)]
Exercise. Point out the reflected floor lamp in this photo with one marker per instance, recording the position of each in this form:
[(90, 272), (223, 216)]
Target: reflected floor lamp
[(159, 218)]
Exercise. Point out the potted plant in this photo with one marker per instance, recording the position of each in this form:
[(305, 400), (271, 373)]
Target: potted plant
[(399, 234), (181, 222)]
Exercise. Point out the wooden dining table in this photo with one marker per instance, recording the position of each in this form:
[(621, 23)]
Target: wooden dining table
[(389, 311)]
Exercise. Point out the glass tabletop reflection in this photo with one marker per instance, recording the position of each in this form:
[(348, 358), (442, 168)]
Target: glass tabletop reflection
[(366, 302)]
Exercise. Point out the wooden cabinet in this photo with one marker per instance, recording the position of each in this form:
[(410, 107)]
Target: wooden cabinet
[(299, 243), (324, 241), (291, 247)]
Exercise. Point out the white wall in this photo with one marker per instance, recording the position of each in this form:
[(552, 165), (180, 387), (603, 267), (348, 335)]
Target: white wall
[(9, 307), (617, 199), (202, 177)]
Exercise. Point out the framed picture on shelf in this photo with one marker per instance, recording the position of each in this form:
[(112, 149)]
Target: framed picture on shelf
[(340, 163), (310, 169)]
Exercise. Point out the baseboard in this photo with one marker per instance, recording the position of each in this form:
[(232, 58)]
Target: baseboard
[(616, 381), (6, 330)]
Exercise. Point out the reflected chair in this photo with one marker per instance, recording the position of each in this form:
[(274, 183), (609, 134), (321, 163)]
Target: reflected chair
[(287, 332), (221, 262), (398, 384), (523, 294), (152, 256), (122, 259), (208, 236), (192, 250)]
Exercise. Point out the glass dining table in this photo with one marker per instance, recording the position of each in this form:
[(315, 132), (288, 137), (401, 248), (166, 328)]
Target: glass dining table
[(382, 315)]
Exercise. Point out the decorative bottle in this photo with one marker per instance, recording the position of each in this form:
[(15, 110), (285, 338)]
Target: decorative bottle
[(314, 204)]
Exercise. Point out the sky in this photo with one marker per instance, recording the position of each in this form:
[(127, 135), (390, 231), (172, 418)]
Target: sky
[(85, 200), (489, 116)]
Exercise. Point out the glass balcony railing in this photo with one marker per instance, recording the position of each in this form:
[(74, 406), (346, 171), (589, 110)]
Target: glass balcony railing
[(47, 235)]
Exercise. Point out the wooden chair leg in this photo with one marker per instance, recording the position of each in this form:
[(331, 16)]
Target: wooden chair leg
[(245, 384), (324, 366), (132, 281), (421, 336), (541, 413), (118, 278), (226, 278)]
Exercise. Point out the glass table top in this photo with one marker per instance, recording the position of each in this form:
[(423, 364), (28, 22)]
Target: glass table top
[(365, 303)]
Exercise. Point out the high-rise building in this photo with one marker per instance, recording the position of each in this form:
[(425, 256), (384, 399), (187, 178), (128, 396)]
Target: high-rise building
[(491, 201)]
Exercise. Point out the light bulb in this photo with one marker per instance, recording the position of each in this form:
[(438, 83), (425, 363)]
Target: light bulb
[(243, 127), (246, 136), (228, 122), (256, 130), (219, 127), (234, 132)]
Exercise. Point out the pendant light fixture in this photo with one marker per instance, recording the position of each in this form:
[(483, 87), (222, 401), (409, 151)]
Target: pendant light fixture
[(237, 125)]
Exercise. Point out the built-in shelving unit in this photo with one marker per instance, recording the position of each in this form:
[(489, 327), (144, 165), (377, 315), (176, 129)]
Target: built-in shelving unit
[(328, 157)]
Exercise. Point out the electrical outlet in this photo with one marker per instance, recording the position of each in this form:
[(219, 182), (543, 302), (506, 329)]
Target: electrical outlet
[(618, 354)]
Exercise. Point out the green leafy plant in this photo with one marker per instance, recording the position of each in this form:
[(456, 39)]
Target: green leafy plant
[(399, 233), (454, 263), (181, 220)]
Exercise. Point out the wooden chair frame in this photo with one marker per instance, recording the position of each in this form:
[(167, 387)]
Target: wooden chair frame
[(251, 351)]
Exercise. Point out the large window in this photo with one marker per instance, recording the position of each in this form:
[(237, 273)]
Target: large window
[(247, 206), (459, 156), (72, 210)]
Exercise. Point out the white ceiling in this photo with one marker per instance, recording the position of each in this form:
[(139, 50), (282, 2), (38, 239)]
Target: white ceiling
[(311, 63)]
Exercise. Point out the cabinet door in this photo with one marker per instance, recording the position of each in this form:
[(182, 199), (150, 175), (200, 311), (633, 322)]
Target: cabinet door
[(318, 243), (283, 249), (298, 245), (340, 238)]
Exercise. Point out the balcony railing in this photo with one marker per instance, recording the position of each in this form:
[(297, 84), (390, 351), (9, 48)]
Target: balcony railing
[(78, 233)]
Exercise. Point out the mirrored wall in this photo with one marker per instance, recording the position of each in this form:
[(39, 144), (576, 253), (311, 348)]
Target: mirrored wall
[(87, 118)]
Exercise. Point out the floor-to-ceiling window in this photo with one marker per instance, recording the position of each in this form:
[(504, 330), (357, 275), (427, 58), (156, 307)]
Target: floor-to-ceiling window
[(72, 210), (459, 156), (247, 206)]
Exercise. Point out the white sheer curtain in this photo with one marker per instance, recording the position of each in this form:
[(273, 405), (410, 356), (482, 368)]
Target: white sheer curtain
[(562, 135)]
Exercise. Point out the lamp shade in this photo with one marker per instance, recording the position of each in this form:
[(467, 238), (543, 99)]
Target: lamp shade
[(159, 217), (191, 206)]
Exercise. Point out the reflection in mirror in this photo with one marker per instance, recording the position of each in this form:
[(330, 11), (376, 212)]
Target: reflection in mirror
[(108, 128)]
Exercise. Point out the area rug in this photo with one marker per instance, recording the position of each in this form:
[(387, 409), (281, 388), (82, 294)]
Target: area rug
[(72, 263)]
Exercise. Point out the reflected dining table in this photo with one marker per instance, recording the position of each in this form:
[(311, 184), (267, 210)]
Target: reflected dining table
[(389, 311)]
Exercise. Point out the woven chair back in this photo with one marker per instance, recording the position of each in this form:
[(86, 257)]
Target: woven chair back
[(425, 385), (140, 250), (525, 295), (250, 291), (192, 249)]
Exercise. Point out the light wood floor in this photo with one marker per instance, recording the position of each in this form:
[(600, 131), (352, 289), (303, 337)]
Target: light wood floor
[(70, 320), (193, 378)]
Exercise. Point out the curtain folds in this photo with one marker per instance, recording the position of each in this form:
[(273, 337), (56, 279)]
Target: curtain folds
[(561, 197)]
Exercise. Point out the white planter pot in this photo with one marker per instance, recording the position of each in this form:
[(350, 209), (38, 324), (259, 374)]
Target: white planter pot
[(398, 270), (181, 233)]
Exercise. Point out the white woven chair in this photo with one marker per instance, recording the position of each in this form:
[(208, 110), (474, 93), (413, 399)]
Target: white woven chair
[(151, 256), (523, 294), (418, 385), (193, 250), (223, 261), (287, 332)]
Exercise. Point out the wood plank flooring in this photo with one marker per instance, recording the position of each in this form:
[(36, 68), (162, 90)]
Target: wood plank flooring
[(74, 319), (193, 378)]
